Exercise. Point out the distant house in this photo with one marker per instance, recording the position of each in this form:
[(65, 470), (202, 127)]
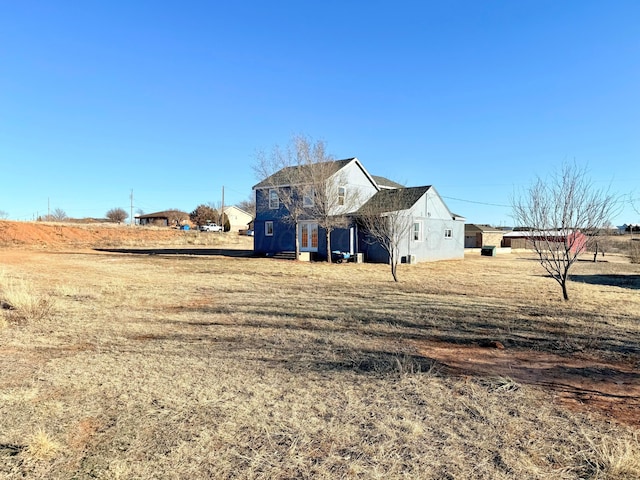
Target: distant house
[(478, 236), (576, 240), (238, 218), (166, 218), (435, 234), (629, 228)]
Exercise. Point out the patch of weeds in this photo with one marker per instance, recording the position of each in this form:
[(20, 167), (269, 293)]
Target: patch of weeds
[(41, 446), (611, 458), (500, 384), (398, 363), (20, 303)]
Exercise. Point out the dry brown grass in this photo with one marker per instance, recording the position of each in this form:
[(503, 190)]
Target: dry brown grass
[(168, 365), (21, 302), (634, 252)]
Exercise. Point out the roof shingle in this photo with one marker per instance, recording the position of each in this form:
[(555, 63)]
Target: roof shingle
[(393, 199)]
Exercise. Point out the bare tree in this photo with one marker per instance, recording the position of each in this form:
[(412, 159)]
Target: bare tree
[(248, 205), (176, 217), (323, 189), (58, 215), (279, 173), (602, 242), (291, 174), (3, 214), (309, 185), (387, 221), (557, 211), (117, 215)]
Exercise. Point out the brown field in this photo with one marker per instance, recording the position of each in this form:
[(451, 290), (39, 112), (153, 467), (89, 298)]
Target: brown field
[(159, 354)]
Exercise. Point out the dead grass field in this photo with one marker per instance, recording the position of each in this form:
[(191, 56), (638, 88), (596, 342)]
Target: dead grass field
[(168, 361)]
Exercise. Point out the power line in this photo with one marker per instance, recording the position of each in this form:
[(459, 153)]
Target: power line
[(478, 203)]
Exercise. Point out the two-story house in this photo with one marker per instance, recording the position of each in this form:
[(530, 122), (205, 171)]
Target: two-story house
[(288, 208)]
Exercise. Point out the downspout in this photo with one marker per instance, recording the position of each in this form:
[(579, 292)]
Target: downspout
[(357, 251), (352, 233), (409, 235)]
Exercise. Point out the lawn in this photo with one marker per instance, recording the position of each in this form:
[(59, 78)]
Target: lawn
[(198, 363)]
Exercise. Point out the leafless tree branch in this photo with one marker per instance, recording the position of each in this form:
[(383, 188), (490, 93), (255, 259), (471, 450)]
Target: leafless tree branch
[(556, 210)]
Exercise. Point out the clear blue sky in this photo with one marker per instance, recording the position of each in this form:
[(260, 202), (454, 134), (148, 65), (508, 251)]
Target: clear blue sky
[(172, 99)]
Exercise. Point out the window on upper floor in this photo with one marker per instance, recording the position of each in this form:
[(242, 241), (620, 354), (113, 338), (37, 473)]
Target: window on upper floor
[(342, 193), (307, 198), (274, 200)]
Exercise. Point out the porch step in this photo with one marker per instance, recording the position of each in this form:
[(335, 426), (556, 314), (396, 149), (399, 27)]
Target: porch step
[(285, 255)]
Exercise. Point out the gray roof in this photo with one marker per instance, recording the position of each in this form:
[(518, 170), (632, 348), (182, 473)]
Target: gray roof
[(295, 174), (394, 199), (163, 214), (385, 182)]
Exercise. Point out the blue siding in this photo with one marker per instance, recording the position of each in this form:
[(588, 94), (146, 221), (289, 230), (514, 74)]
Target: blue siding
[(283, 238)]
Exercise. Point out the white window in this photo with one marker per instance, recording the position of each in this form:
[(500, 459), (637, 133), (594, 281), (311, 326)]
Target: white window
[(417, 231), (448, 233), (342, 191), (268, 229), (307, 198), (274, 200)]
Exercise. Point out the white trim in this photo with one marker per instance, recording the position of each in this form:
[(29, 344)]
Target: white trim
[(268, 228), (310, 227), (274, 201), (419, 232)]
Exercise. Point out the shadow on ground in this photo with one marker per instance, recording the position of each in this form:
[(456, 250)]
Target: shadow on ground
[(212, 252), (610, 280)]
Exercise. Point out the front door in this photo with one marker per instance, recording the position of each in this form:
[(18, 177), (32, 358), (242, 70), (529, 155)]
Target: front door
[(308, 234)]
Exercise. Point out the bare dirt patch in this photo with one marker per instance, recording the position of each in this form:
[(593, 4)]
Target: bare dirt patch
[(51, 235), (580, 382)]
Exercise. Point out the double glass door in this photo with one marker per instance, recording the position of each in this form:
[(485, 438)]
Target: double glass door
[(308, 235)]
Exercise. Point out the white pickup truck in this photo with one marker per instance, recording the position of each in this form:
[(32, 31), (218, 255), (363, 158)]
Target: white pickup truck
[(210, 227)]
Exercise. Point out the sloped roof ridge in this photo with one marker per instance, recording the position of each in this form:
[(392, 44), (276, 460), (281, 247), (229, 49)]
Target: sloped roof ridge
[(282, 176), (385, 182)]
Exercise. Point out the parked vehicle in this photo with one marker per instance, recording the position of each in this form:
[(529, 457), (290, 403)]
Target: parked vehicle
[(210, 227)]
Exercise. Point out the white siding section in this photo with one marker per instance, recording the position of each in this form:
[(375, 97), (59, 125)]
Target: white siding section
[(359, 187), (436, 219)]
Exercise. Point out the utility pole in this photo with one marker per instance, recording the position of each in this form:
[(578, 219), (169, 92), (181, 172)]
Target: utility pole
[(222, 211), (131, 217)]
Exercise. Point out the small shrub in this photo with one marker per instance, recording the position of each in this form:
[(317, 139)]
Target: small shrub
[(42, 447), (611, 458), (19, 303)]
